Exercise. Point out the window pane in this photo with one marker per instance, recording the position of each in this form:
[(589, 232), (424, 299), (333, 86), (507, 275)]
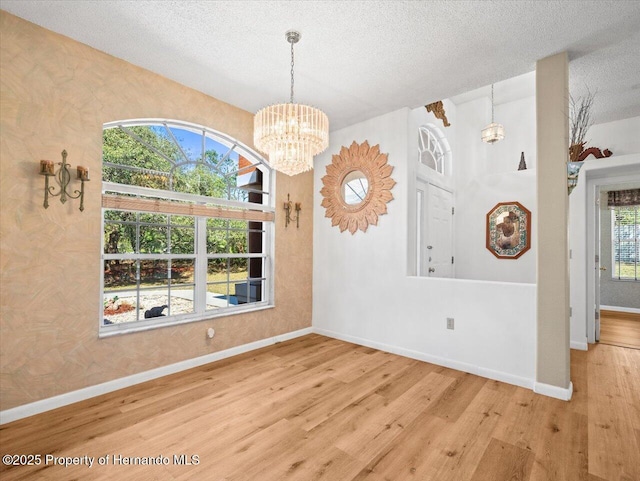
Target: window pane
[(153, 239), (182, 240), (181, 301), (182, 220), (182, 271), (154, 273), (255, 268), (218, 296), (238, 238), (220, 270), (626, 242), (148, 218), (119, 238), (119, 216), (217, 270), (249, 291), (154, 303), (119, 308), (238, 269), (119, 275)]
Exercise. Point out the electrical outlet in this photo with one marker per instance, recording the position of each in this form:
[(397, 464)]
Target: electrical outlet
[(449, 322)]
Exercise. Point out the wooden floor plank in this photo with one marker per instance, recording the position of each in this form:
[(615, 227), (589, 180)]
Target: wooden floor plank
[(316, 408), (504, 462)]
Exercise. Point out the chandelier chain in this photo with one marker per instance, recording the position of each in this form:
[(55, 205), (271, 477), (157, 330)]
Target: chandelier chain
[(491, 103), (292, 63)]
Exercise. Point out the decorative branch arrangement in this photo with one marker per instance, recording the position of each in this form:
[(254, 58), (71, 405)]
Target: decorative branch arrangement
[(580, 110), (580, 120)]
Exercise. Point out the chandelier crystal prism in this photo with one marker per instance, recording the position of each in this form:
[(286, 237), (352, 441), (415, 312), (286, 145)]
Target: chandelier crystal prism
[(493, 132), (291, 134)]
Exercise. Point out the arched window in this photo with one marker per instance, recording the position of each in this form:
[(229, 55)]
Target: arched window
[(187, 225), (433, 149)]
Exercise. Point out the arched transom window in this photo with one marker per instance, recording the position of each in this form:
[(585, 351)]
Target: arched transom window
[(433, 149)]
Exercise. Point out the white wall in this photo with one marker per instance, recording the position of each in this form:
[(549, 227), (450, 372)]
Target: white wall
[(622, 137), (488, 174), (361, 291)]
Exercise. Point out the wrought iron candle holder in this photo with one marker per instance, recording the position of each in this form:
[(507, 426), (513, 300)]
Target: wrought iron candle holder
[(63, 177), (287, 208)]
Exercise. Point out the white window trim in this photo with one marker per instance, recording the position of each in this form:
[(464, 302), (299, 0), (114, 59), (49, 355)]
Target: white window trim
[(268, 250)]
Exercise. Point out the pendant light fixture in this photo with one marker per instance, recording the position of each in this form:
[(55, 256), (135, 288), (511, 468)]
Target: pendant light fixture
[(493, 132), (291, 134)]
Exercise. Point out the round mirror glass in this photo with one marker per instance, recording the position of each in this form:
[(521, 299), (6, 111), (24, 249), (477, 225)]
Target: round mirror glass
[(354, 187)]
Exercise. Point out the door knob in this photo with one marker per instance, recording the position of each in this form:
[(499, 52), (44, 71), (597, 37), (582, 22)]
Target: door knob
[(429, 247), (431, 269), (603, 268)]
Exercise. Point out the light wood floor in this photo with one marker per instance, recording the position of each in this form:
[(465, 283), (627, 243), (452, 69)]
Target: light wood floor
[(620, 329), (316, 408)]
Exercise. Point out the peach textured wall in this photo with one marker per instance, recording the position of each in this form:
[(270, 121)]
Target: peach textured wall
[(56, 94)]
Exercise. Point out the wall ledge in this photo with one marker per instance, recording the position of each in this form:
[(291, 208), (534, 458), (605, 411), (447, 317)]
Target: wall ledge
[(65, 399), (440, 361), (549, 390)]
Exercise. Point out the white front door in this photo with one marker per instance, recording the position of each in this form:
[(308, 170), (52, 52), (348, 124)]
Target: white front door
[(435, 231)]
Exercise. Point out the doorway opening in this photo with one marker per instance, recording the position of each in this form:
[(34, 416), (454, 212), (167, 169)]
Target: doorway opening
[(618, 279)]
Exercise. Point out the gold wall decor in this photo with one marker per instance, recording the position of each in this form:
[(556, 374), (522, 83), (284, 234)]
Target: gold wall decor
[(63, 177), (438, 110), (357, 187), (288, 207)]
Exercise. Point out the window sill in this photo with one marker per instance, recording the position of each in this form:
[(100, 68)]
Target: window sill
[(147, 325)]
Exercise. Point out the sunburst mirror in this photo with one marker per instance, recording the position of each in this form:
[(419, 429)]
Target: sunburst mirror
[(357, 187)]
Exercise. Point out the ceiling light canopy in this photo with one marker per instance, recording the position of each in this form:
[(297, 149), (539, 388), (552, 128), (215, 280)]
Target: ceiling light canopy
[(493, 132), (291, 134)]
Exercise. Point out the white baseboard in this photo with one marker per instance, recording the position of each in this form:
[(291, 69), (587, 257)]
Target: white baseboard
[(554, 391), (440, 361), (580, 346), (631, 310), (65, 399)]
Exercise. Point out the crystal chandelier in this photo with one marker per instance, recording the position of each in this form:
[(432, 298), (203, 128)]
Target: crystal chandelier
[(291, 134), (493, 132)]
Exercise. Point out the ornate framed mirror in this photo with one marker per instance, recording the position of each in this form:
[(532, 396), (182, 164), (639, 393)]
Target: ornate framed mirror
[(357, 187), (508, 230)]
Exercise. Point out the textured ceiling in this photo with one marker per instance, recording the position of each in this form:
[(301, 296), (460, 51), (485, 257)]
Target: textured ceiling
[(359, 59)]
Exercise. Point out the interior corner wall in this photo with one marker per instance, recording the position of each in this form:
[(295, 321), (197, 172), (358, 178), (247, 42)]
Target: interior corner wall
[(362, 293), (56, 94)]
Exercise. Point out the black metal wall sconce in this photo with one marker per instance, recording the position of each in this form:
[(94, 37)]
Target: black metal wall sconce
[(288, 206), (63, 177)]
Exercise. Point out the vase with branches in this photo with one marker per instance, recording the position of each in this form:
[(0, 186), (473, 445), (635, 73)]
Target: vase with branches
[(580, 120)]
